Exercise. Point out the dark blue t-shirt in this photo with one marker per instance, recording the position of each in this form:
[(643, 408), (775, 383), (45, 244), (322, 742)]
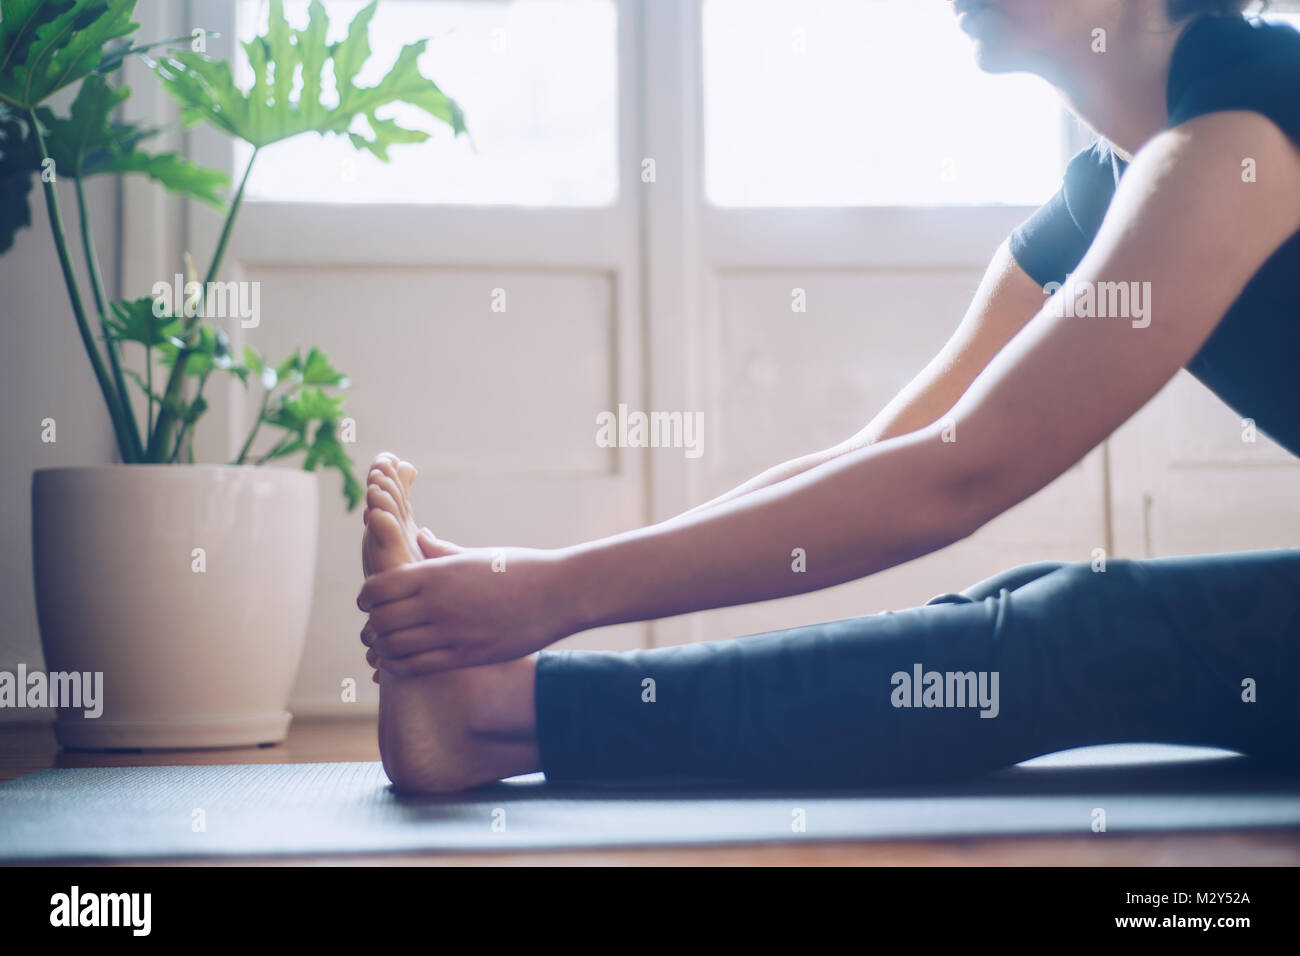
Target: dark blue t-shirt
[(1252, 360)]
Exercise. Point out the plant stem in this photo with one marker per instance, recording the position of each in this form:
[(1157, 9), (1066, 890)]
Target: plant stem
[(279, 446), (115, 412), (148, 380), (257, 425), (230, 221), (160, 438), (101, 304), (185, 426)]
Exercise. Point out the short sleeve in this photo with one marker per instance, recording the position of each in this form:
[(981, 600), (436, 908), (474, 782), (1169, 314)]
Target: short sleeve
[(1053, 241), (1237, 64)]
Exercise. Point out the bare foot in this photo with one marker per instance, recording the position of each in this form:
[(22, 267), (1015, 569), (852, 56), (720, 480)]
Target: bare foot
[(454, 729), (460, 728), (392, 536)]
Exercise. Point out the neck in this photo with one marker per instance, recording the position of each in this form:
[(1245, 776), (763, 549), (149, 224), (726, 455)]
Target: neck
[(1122, 93)]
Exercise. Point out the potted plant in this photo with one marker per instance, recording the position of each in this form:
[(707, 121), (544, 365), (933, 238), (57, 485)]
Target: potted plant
[(186, 585)]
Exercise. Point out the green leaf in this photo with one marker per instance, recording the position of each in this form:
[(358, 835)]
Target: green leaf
[(88, 142), (317, 404), (209, 350), (291, 365), (116, 51), (326, 450), (46, 45), (296, 412), (142, 321), (318, 371), (176, 174), (20, 161), (195, 410), (253, 359), (310, 406), (257, 365), (212, 351), (269, 112)]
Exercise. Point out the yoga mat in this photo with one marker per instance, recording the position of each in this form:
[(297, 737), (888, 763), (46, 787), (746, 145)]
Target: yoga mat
[(272, 809)]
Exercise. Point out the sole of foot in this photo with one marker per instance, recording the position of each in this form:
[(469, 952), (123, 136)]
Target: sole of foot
[(458, 729)]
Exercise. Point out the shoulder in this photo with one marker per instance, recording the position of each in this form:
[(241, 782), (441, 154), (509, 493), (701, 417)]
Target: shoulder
[(1190, 199), (1227, 154), (1231, 63)]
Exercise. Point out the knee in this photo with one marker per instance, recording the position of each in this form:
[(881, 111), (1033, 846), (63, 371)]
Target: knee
[(1080, 580)]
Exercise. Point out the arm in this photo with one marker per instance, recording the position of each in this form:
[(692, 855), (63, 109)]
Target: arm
[(1182, 220), (1006, 299)]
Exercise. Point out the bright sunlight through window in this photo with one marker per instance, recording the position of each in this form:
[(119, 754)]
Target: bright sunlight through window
[(853, 103), (538, 81)]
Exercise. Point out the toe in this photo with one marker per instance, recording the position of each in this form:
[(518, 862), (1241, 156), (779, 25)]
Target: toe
[(395, 490), (379, 501), (388, 533), (385, 463), (407, 473)]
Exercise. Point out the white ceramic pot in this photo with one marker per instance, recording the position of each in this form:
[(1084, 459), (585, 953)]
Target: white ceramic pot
[(187, 586)]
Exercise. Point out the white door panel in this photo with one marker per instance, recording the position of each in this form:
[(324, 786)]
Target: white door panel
[(1187, 479)]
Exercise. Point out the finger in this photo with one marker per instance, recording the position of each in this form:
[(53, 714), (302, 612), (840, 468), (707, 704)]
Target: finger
[(408, 642), (392, 585), (397, 616), (375, 677), (368, 634), (430, 662), (372, 657)]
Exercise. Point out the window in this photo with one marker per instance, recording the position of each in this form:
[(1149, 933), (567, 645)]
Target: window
[(538, 82), (846, 103), (1281, 16)]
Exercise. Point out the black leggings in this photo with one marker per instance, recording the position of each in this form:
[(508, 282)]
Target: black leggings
[(1194, 650)]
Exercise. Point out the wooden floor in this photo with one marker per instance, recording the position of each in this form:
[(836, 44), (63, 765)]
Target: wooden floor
[(26, 748)]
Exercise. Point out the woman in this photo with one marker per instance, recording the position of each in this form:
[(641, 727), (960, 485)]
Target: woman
[(1192, 194)]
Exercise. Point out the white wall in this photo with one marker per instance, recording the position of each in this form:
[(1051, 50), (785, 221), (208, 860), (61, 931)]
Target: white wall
[(44, 373)]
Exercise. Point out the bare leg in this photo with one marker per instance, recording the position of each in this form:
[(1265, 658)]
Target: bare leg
[(456, 729)]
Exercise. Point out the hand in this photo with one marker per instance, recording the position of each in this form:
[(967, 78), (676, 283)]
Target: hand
[(463, 607)]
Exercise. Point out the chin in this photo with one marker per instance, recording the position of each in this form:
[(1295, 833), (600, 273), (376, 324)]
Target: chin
[(992, 57), (993, 51)]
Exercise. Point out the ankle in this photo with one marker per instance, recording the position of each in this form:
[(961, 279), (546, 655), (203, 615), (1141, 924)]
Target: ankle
[(503, 703)]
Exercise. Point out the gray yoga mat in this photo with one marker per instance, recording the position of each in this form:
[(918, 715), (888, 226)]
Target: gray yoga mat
[(273, 809)]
